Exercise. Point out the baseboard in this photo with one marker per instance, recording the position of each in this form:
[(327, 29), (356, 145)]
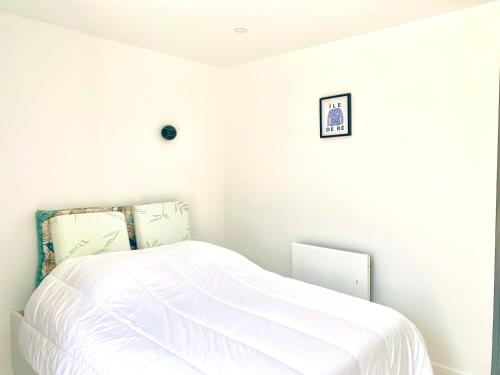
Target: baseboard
[(446, 370)]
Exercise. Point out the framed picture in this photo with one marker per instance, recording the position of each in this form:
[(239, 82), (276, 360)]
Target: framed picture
[(335, 116)]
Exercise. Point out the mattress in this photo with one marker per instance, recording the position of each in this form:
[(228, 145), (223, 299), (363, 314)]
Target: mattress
[(196, 308)]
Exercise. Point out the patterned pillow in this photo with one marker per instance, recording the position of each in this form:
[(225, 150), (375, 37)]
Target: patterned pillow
[(46, 257), (161, 223), (88, 234)]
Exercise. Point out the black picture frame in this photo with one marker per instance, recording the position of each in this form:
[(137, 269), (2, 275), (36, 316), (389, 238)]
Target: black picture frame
[(323, 134)]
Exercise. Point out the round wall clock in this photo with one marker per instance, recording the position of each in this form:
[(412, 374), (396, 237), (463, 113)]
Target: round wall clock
[(168, 132)]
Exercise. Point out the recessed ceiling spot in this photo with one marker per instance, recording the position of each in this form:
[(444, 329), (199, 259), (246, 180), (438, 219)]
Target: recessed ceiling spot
[(240, 30)]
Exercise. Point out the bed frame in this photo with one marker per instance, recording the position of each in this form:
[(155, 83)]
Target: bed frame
[(19, 364)]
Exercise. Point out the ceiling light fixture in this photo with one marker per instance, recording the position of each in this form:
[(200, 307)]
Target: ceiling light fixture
[(240, 30)]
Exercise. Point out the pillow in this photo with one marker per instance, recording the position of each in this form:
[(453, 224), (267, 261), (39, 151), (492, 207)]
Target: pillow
[(88, 234), (161, 223), (46, 257)]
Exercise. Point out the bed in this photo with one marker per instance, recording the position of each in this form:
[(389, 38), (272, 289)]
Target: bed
[(197, 308)]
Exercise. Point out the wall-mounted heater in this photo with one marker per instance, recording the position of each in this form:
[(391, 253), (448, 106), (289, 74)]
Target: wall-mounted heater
[(343, 271)]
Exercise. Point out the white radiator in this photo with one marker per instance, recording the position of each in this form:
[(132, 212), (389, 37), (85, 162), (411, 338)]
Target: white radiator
[(343, 271)]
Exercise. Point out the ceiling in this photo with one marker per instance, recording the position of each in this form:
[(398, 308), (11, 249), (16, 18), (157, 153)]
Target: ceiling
[(202, 30)]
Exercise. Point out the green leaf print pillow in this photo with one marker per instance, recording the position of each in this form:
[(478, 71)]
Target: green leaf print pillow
[(161, 223), (88, 234)]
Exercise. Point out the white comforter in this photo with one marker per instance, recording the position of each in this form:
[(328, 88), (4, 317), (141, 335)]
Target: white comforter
[(196, 308)]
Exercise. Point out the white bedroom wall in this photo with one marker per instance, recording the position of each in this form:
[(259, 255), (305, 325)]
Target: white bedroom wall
[(414, 186), (80, 119)]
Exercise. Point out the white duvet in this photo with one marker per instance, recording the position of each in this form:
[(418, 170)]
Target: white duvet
[(196, 308)]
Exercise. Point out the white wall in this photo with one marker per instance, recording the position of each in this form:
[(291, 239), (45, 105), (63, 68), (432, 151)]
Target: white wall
[(71, 105), (414, 186)]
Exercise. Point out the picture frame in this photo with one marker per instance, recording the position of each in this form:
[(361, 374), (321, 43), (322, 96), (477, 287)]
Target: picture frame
[(335, 118)]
